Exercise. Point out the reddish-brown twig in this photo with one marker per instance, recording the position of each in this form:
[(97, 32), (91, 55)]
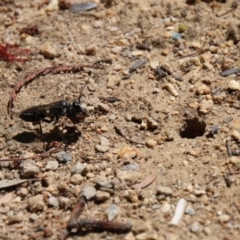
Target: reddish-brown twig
[(88, 224), (94, 225)]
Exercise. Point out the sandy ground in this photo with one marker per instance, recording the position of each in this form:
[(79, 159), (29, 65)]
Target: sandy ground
[(175, 115)]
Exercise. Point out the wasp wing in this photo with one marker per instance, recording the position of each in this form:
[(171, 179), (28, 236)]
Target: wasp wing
[(41, 112)]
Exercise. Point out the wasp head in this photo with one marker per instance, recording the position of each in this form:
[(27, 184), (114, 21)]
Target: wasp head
[(78, 109)]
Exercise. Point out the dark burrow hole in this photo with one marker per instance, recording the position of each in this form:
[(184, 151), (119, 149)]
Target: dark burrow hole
[(192, 128)]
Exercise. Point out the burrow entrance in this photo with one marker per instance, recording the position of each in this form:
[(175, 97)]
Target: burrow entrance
[(192, 128)]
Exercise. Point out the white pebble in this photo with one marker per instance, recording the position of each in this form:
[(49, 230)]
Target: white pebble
[(179, 211)]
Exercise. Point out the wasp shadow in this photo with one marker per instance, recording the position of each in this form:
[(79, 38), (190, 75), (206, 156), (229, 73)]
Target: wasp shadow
[(70, 136), (26, 137)]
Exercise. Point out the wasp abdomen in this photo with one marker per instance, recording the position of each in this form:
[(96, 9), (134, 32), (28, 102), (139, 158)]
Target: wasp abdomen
[(29, 116)]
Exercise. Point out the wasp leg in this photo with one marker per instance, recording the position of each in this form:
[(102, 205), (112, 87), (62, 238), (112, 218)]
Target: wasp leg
[(41, 132), (56, 120), (41, 135)]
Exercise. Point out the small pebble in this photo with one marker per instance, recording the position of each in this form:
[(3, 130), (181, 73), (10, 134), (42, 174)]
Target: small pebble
[(33, 217), (213, 129), (189, 210), (151, 123), (4, 210), (127, 152), (112, 212), (104, 184), (113, 81), (149, 235), (205, 106), (102, 196), (28, 168), (48, 51), (234, 85), (53, 202), (203, 89), (129, 177), (17, 218), (165, 207), (151, 143), (52, 6), (64, 157), (137, 64), (155, 206), (227, 119), (36, 203), (171, 89), (195, 227), (104, 141), (80, 7), (103, 107), (88, 192), (164, 190), (176, 36), (78, 168), (235, 160), (199, 192), (224, 218), (76, 179), (153, 64), (131, 196), (101, 148), (64, 202), (22, 192), (236, 135), (130, 167), (52, 165)]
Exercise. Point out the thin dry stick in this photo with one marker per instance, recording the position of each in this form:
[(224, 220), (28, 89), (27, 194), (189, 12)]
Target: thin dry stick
[(42, 155), (102, 225), (195, 54), (89, 224), (77, 209)]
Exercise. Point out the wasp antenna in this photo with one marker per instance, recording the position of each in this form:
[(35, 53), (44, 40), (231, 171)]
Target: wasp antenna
[(84, 86)]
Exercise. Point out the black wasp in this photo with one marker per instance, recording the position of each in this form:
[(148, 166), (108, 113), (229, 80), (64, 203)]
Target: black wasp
[(53, 111)]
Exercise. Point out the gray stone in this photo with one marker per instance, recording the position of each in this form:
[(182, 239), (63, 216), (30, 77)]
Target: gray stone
[(112, 212), (53, 202), (189, 210), (52, 165), (88, 192), (33, 217), (130, 167), (105, 184), (101, 148), (29, 168), (78, 168), (64, 157), (36, 203), (195, 227), (104, 141), (103, 107)]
